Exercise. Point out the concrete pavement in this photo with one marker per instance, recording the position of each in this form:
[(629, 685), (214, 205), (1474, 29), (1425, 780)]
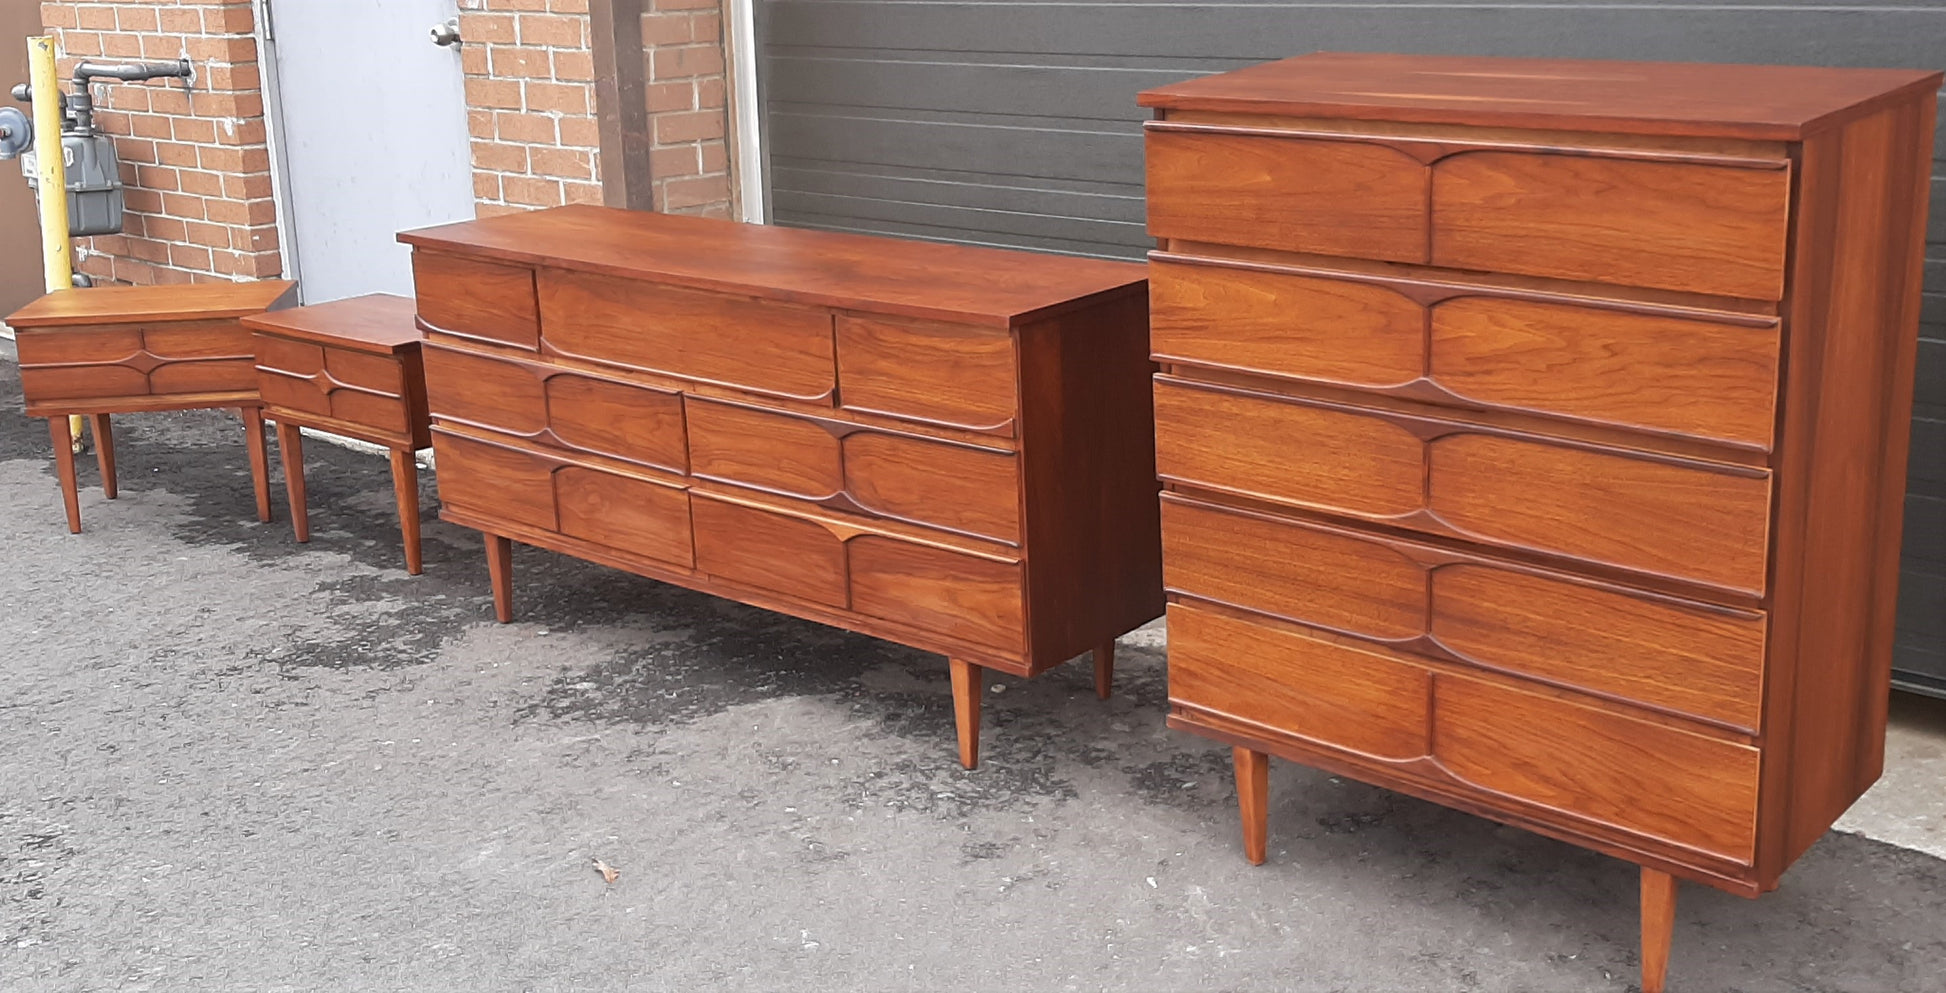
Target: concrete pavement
[(229, 762)]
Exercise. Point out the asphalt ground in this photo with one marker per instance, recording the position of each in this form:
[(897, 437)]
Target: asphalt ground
[(229, 762)]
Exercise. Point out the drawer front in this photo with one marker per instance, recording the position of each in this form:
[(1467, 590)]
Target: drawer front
[(622, 512), (495, 481), (1674, 655), (755, 547), (1693, 521), (1516, 749), (82, 363), (755, 345), (944, 374), (1659, 781), (1667, 225), (560, 409), (379, 374), (237, 375), (1694, 377), (969, 599), (1322, 196), (956, 487), (1325, 692), (1302, 327), (77, 346), (82, 382), (961, 596), (477, 299), (1682, 374)]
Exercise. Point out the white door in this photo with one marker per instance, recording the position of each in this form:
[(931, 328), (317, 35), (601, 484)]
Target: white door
[(371, 118)]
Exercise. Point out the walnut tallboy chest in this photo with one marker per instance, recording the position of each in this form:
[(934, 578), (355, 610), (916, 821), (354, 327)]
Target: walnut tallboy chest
[(943, 446), (1533, 437)]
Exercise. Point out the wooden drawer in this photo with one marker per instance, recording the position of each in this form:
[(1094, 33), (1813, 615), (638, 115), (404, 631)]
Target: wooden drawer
[(1328, 693), (957, 487), (627, 513), (1676, 655), (1669, 371), (82, 363), (770, 348), (565, 410), (949, 375), (1511, 746), (1696, 521), (1698, 228), (509, 483), (475, 299), (1299, 194), (302, 378), (1664, 782), (494, 480), (967, 598)]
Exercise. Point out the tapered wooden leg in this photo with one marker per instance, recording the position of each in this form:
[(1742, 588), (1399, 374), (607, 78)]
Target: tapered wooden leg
[(1253, 801), (500, 566), (63, 438), (253, 438), (290, 449), (1658, 927), (966, 709), (105, 454), (405, 485), (1105, 668)]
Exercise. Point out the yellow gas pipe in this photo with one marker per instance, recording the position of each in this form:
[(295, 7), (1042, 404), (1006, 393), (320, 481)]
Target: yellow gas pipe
[(50, 163)]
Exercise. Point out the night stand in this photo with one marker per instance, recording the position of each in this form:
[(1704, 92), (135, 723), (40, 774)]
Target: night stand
[(127, 349), (352, 368)]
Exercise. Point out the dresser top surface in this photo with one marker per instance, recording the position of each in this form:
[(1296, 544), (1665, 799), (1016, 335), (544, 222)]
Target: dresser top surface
[(133, 304), (1780, 103), (376, 322), (919, 279)]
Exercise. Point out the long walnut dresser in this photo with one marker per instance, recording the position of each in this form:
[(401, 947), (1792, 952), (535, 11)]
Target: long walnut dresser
[(942, 446), (1533, 438)]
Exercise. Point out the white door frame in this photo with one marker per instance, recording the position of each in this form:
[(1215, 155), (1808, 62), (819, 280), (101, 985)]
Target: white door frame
[(746, 114), (266, 32)]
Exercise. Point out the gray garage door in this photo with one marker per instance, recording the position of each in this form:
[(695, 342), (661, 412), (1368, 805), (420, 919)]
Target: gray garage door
[(1015, 124)]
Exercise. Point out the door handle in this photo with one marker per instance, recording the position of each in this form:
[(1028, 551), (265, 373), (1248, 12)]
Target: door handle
[(446, 35)]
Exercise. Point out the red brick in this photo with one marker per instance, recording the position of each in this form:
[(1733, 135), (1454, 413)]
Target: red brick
[(181, 21), (687, 4), (671, 96), (93, 18), (211, 235), (561, 98), (59, 15), (249, 187), (499, 156), (479, 123), (223, 48), (232, 77), (716, 156), (189, 257), (578, 65), (492, 93), (140, 200), (155, 177), (473, 60), (696, 126), (562, 163), (149, 250), (483, 28), (711, 93), (686, 61), (194, 129), (530, 128), (531, 191), (706, 27), (166, 101), (207, 184), (694, 192), (675, 161), (81, 43), (581, 193), (130, 17), (552, 30), (665, 29), (486, 186), (166, 229), (173, 277), (579, 132), (517, 62), (189, 208), (568, 6), (229, 19)]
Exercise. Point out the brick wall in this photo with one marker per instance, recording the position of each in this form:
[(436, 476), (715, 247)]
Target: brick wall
[(530, 100), (198, 169), (197, 165), (689, 162)]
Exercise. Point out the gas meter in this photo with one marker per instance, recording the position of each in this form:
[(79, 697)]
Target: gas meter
[(94, 174)]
